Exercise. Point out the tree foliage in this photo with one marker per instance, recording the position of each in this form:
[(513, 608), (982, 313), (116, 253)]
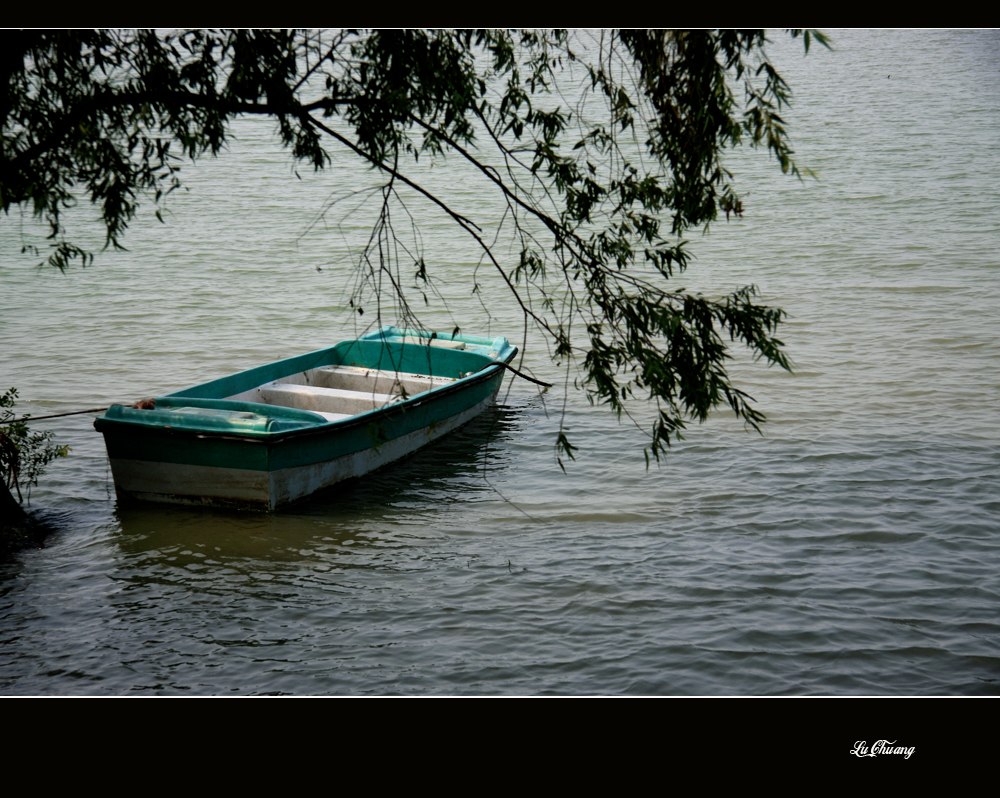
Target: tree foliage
[(599, 191)]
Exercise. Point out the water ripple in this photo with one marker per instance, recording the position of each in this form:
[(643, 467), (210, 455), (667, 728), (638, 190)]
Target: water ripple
[(852, 550)]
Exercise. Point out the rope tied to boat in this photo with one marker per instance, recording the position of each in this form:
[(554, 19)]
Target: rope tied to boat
[(54, 415), (142, 404), (524, 376)]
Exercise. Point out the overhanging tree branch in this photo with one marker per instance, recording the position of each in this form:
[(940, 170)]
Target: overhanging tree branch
[(597, 193)]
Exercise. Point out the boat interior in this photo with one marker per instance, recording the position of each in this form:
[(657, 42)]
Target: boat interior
[(338, 392)]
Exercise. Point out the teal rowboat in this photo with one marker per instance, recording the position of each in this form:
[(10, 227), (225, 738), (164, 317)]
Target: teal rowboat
[(280, 432)]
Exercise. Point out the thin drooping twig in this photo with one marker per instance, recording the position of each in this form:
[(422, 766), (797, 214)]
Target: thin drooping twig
[(466, 224)]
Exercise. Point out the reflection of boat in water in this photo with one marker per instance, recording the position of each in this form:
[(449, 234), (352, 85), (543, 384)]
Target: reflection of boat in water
[(277, 433)]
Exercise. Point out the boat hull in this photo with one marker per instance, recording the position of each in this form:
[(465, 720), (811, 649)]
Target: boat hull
[(180, 464)]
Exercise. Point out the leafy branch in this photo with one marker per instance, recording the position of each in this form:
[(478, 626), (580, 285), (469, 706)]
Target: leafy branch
[(604, 152), (24, 454)]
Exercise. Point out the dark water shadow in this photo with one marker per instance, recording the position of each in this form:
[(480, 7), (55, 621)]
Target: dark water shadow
[(32, 531)]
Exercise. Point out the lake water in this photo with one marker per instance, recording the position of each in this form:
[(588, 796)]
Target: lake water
[(853, 549)]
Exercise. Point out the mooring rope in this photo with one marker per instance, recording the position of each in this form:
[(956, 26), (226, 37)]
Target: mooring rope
[(524, 376), (55, 415)]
